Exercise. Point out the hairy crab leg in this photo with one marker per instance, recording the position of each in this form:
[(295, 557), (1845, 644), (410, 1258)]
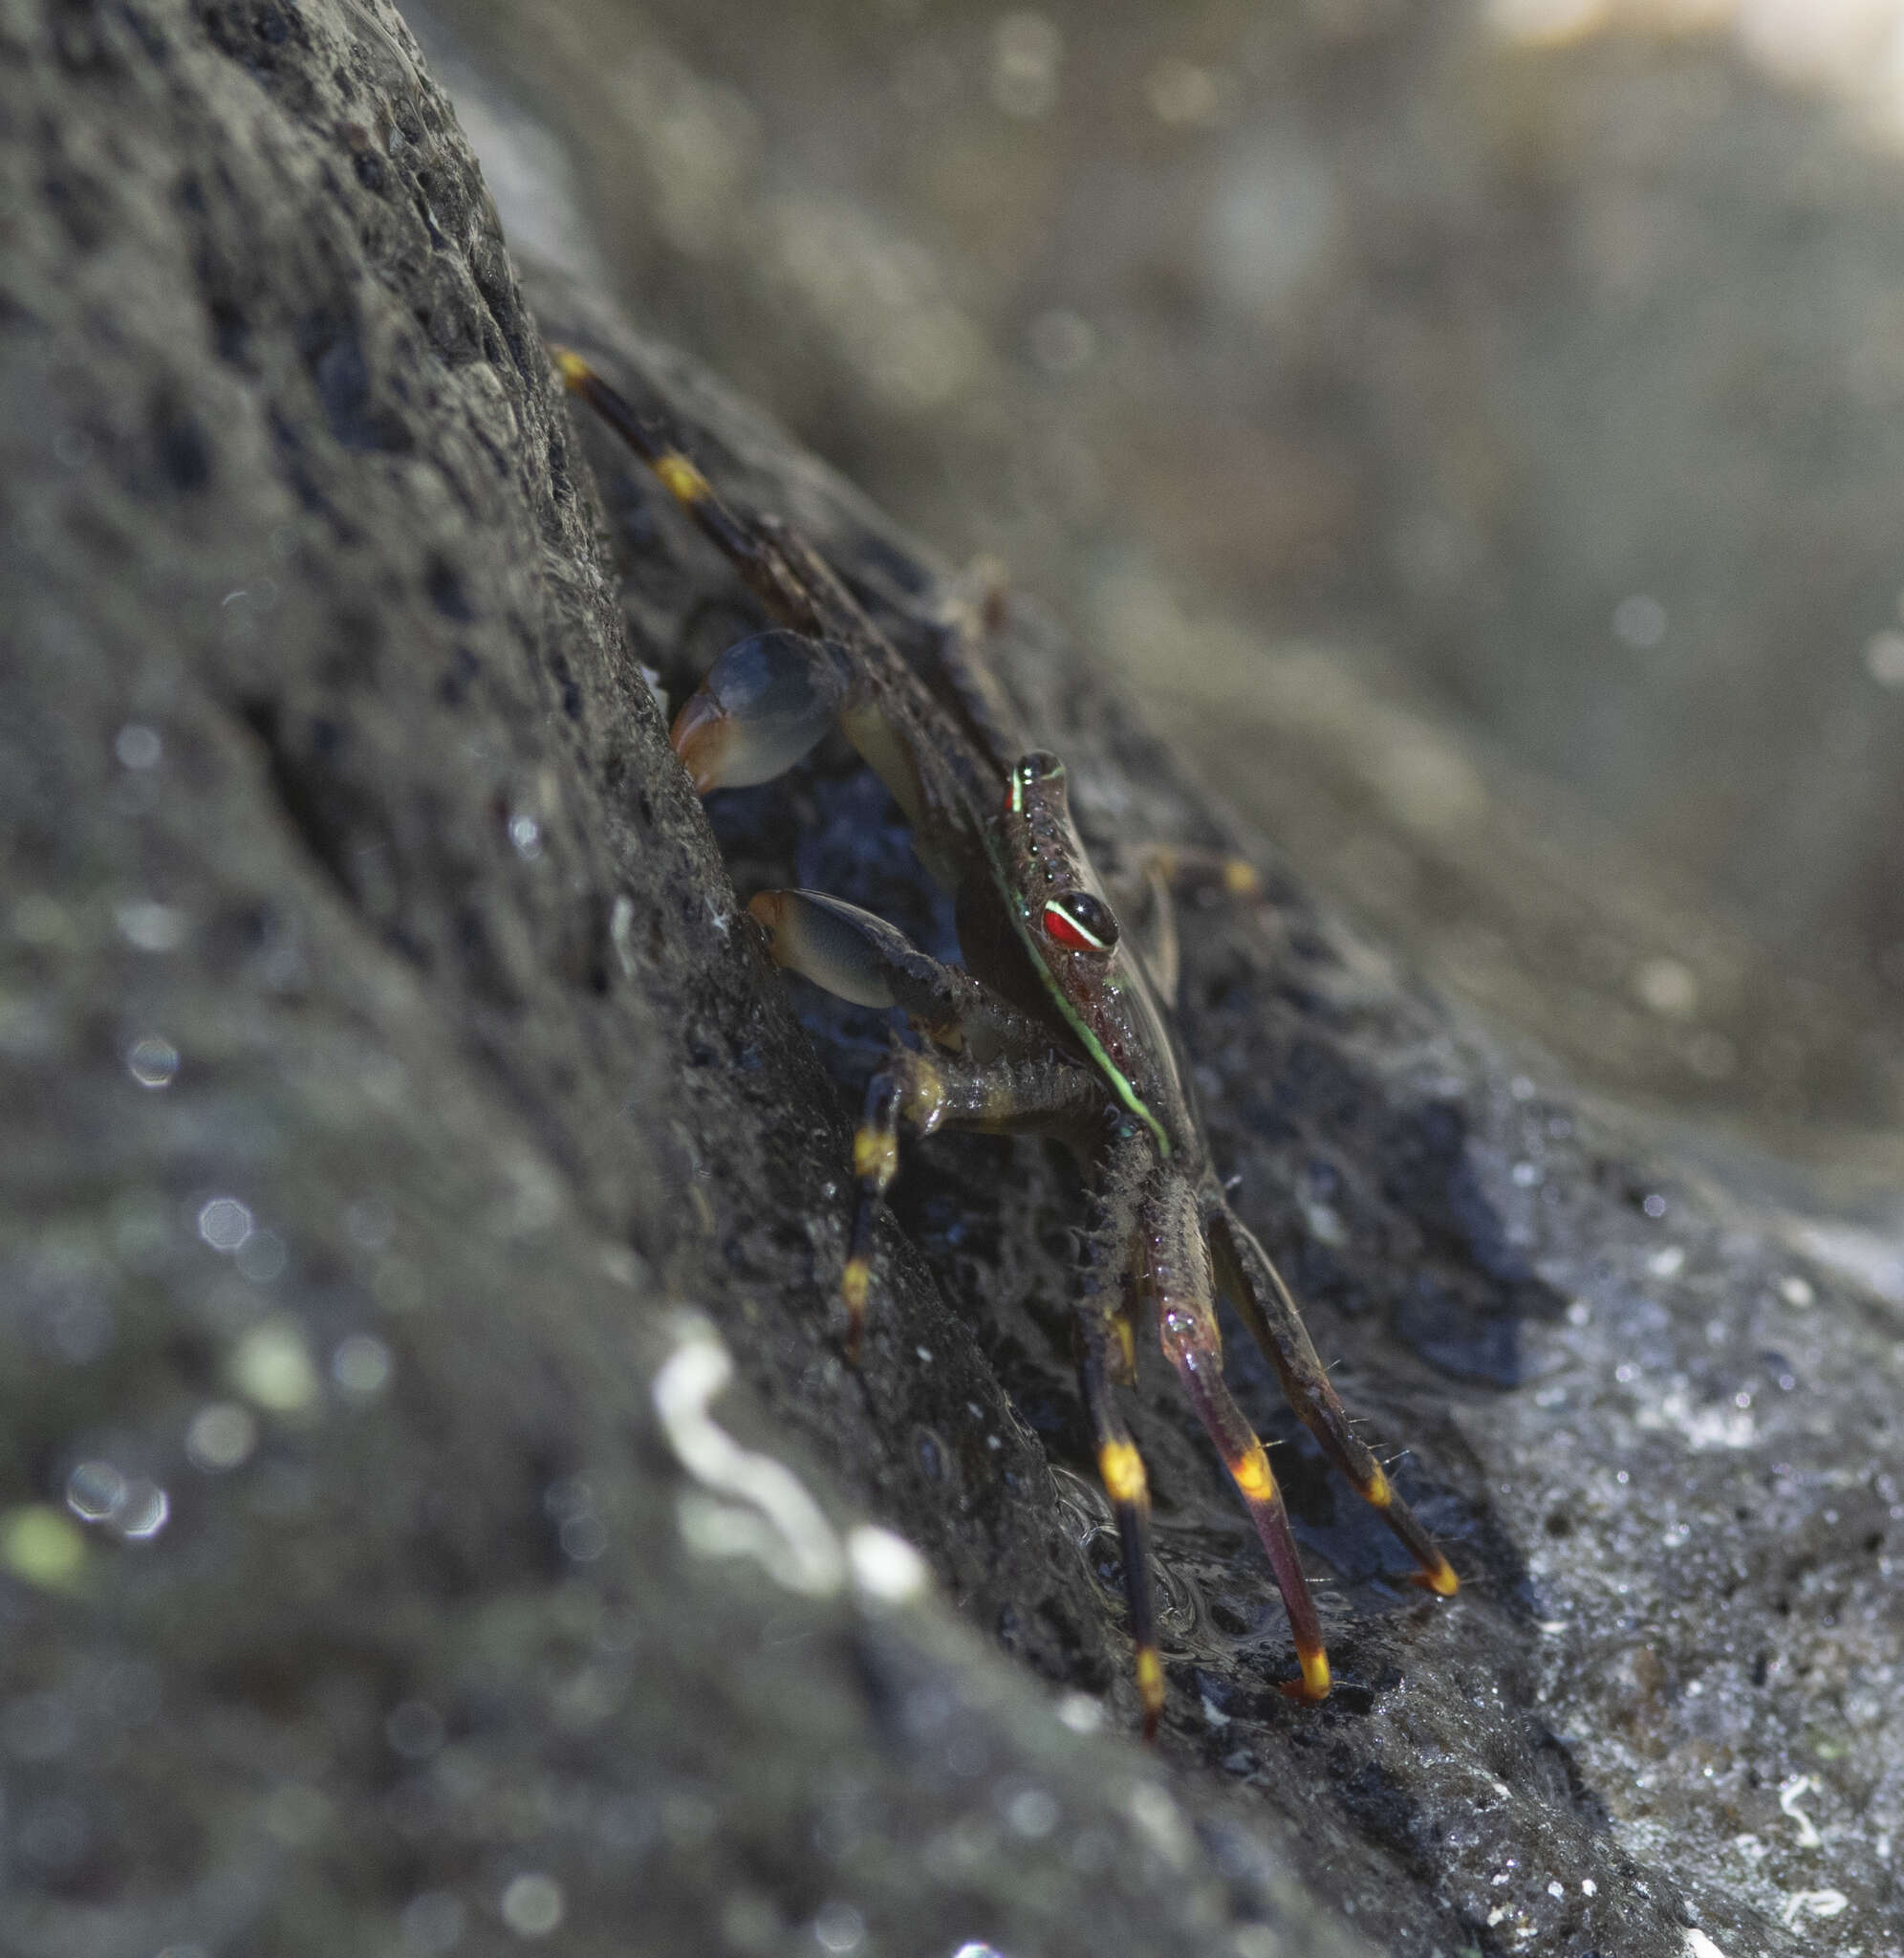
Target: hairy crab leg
[(1007, 1076), (1107, 1359), (928, 1092), (883, 706), (1176, 1274), (1262, 1301), (1121, 1469)]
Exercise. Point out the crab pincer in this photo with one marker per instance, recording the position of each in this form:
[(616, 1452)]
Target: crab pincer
[(764, 706)]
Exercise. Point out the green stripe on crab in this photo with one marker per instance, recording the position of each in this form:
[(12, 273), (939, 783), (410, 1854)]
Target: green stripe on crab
[(1020, 905)]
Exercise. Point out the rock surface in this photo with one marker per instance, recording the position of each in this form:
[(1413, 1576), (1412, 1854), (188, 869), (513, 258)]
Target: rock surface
[(389, 1067)]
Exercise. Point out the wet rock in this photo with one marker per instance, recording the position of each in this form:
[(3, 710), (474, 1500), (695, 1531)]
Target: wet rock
[(386, 1563)]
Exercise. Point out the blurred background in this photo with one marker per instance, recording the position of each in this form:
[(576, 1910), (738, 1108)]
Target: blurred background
[(1474, 427)]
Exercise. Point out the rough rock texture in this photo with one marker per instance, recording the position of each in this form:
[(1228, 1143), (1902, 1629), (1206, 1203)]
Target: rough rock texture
[(386, 1061)]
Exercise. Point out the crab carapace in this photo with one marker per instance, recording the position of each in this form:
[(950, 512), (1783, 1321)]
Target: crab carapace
[(1059, 1028)]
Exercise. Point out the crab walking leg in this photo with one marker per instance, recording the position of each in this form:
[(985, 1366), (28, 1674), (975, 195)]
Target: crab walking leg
[(929, 1092), (1107, 1359), (753, 717), (1121, 1469), (763, 560), (1256, 1289), (1176, 1274)]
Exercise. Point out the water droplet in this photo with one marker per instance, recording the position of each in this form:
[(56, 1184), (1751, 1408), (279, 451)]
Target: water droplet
[(224, 1224), (40, 1545), (1639, 621), (1032, 1814), (146, 1512), (1185, 96), (838, 1927), (1026, 50), (150, 928), (271, 1366), (1884, 659), (96, 1491), (361, 1366), (221, 1437), (262, 1257), (532, 1904), (884, 1565), (137, 747), (525, 834), (1668, 987), (583, 1538), (568, 1496), (152, 1063)]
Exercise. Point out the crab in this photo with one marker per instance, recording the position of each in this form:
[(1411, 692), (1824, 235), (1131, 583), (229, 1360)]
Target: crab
[(1056, 1026)]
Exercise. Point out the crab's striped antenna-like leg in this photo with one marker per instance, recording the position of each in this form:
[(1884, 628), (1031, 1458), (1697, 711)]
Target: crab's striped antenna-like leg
[(1256, 1289), (992, 1067), (1177, 1274)]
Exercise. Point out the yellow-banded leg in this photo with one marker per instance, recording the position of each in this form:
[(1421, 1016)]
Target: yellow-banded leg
[(1121, 1470), (923, 1092), (1107, 1359), (1262, 1301), (760, 557), (1176, 1274), (768, 701)]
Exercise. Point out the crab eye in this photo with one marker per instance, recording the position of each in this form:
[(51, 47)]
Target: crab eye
[(1041, 765), (1080, 922)]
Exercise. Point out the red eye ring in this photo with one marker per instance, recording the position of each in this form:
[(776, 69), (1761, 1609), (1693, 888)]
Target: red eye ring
[(1081, 925), (1061, 929)]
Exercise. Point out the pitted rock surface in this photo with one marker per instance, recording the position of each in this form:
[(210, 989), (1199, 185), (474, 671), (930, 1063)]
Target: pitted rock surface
[(390, 1064)]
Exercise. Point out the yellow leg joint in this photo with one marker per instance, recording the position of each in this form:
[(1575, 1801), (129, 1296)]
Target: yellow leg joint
[(684, 482), (876, 1156), (1315, 1673), (853, 1282), (1379, 1490), (1240, 879), (1122, 1468), (1253, 1476), (1443, 1581), (1150, 1684), (576, 372)]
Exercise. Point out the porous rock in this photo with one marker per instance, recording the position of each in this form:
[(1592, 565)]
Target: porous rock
[(404, 1128)]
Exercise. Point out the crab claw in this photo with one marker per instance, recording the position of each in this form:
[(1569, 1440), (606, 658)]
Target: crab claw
[(764, 705), (836, 945)]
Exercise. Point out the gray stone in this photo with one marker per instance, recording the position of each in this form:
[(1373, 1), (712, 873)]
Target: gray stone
[(404, 1130)]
